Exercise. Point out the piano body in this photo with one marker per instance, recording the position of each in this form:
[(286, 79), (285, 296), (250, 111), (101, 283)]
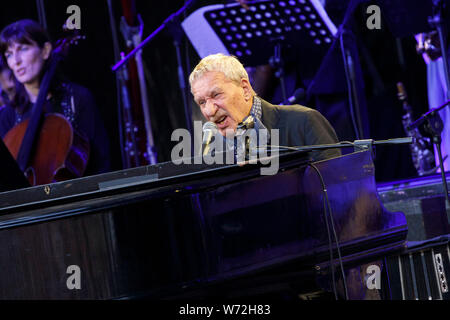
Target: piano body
[(173, 231)]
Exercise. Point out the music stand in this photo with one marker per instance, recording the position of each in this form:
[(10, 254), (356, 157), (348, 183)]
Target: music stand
[(11, 177), (409, 17), (252, 35), (422, 16)]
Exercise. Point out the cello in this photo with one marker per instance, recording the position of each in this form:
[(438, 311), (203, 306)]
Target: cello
[(46, 146)]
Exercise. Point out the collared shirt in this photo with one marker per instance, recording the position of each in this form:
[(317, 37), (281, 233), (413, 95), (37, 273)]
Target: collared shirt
[(252, 121)]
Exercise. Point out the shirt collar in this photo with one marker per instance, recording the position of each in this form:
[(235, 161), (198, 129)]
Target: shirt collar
[(254, 116), (256, 109)]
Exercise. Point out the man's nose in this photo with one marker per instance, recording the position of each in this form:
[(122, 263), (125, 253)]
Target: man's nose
[(210, 108)]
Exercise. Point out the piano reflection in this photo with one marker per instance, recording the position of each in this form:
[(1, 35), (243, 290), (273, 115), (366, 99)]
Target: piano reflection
[(170, 231)]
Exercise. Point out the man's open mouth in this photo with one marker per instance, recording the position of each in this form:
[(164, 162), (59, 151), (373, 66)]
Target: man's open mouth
[(221, 120)]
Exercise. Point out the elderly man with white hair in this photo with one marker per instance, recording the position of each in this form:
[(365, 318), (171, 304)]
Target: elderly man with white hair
[(221, 88)]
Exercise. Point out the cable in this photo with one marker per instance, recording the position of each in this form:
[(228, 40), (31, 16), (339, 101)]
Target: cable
[(338, 248), (327, 201), (328, 233), (349, 88)]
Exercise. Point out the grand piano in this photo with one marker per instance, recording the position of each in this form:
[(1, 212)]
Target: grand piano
[(168, 232)]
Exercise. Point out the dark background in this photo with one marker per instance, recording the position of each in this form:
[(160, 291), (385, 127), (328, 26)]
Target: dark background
[(90, 65)]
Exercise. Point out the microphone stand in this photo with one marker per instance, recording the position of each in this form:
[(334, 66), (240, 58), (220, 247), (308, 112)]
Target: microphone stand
[(276, 61), (175, 30), (435, 126), (349, 70), (173, 17), (41, 13)]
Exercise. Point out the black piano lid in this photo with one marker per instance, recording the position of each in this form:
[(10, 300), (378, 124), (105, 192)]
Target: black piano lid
[(11, 177), (162, 175)]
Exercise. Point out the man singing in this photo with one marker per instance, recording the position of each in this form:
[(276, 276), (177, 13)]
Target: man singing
[(221, 87)]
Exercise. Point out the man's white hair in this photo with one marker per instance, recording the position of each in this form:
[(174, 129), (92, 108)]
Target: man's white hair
[(230, 66)]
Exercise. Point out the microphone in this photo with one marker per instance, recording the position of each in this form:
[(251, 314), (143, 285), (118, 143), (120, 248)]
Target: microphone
[(298, 95), (209, 131)]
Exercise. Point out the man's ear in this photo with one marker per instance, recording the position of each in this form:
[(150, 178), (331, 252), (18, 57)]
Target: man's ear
[(47, 50), (248, 91)]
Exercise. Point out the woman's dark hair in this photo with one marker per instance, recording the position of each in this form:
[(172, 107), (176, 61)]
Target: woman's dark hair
[(3, 64), (24, 32)]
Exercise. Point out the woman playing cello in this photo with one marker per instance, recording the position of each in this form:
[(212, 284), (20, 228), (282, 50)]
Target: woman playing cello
[(27, 51)]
